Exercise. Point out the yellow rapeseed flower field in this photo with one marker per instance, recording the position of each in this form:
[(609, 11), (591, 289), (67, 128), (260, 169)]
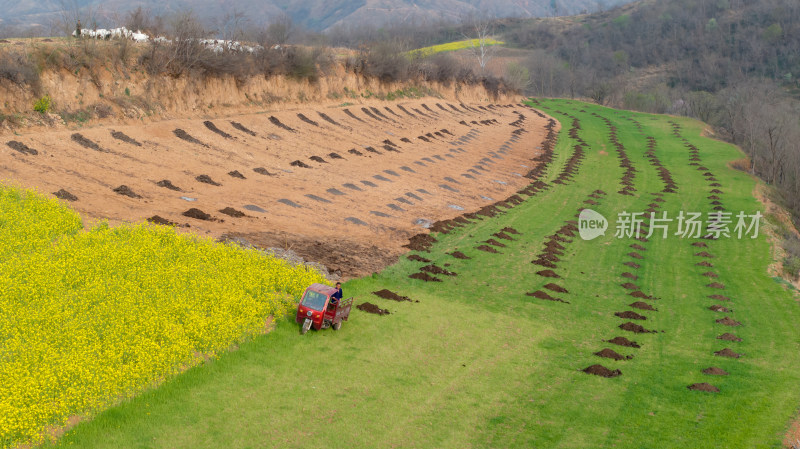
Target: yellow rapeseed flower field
[(90, 318)]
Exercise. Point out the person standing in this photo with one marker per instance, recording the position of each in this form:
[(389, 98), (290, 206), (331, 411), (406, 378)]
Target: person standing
[(336, 297)]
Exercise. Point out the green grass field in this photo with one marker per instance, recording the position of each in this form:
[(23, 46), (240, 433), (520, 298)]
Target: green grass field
[(478, 363)]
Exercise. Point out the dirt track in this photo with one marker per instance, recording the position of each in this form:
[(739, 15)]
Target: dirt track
[(343, 186)]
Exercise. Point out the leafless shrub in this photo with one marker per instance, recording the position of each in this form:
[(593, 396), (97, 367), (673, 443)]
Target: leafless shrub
[(19, 69)]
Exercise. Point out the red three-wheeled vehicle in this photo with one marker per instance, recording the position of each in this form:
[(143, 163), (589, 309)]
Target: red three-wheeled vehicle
[(315, 309)]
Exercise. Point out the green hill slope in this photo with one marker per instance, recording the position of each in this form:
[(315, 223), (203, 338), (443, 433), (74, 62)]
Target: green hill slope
[(475, 361)]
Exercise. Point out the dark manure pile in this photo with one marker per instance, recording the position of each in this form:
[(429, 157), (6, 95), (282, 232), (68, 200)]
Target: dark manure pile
[(126, 191), (183, 135), (197, 214), (433, 269), (64, 195), (622, 341), (231, 212), (611, 354), (22, 148), (155, 219), (167, 184), (703, 387), (243, 128), (602, 371), (542, 295), (84, 142), (422, 276), (387, 294), (372, 308), (274, 120), (205, 179), (213, 128), (628, 315), (458, 255), (635, 328)]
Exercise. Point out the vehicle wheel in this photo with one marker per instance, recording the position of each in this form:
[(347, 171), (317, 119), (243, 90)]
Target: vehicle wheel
[(337, 326), (306, 327)]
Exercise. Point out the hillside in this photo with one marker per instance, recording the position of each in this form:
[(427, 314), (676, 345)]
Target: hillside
[(314, 14), (506, 328)]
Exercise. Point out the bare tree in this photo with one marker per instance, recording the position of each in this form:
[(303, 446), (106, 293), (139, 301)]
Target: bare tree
[(233, 24), (480, 30), (72, 16), (279, 31)]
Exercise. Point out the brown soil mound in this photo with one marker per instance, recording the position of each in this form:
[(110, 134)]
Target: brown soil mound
[(126, 191), (433, 269), (64, 195), (542, 295), (233, 212), (632, 265), (622, 341), (386, 294), (630, 276), (510, 230), (197, 213), (704, 264), (710, 274), (704, 387), (716, 285), (718, 308), (548, 274), (719, 297), (635, 255), (372, 308), (729, 337), (155, 219), (728, 321), (416, 258), (611, 354), (600, 370), (488, 249), (703, 254), (458, 255), (635, 328), (167, 184), (638, 247), (727, 353), (714, 371), (556, 288), (236, 174), (205, 179), (628, 315), (630, 286), (642, 306), (700, 244), (424, 277)]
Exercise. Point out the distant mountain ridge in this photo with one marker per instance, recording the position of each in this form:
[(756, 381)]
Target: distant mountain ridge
[(317, 15)]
